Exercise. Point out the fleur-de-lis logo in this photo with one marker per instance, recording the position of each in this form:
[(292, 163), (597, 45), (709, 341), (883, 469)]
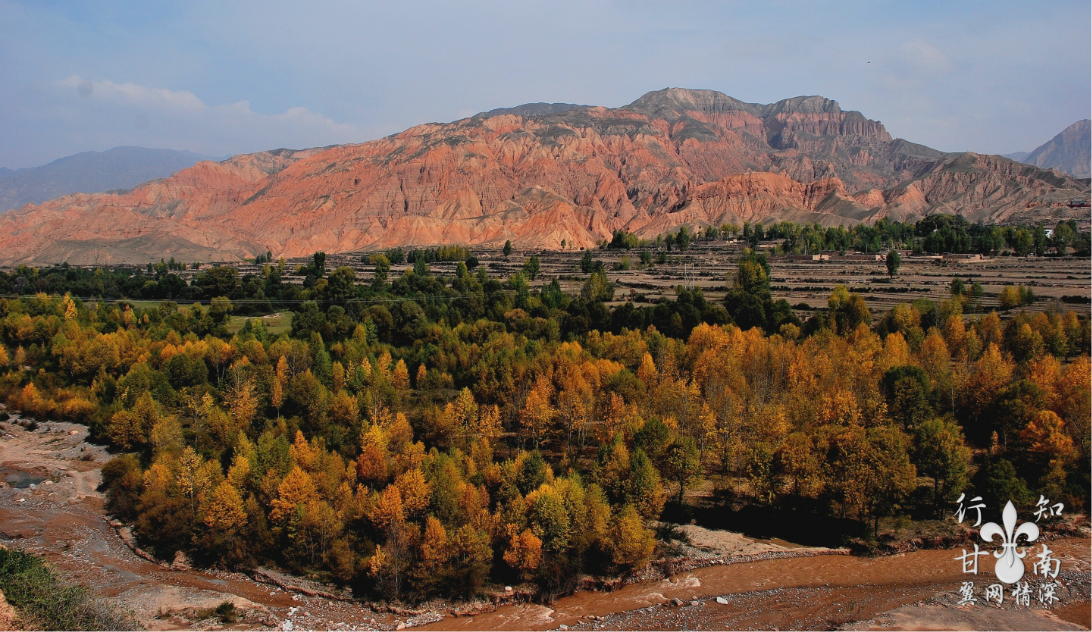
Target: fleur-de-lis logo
[(1010, 564)]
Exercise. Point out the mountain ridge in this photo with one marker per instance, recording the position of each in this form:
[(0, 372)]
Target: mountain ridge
[(119, 168), (1068, 151), (568, 175)]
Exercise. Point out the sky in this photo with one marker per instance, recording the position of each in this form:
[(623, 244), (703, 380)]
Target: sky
[(221, 78)]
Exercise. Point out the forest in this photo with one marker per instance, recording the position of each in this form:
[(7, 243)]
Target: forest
[(429, 435)]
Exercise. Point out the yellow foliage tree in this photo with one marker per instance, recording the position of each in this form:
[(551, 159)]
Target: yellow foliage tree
[(524, 552), (296, 488), (400, 376), (226, 512), (414, 491), (630, 544), (1046, 438), (388, 509), (538, 411)]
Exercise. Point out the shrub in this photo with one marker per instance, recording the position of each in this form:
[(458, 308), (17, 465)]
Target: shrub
[(44, 601)]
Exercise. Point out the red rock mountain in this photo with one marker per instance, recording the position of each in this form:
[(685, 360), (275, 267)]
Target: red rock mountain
[(539, 175)]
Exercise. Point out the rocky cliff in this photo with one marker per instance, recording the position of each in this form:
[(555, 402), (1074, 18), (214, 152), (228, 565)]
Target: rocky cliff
[(541, 175)]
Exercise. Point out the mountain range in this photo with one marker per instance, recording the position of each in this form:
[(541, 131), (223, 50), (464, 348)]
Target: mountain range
[(543, 176), (90, 172), (1069, 152)]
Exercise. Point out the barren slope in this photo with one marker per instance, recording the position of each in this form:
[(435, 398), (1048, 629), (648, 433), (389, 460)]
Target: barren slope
[(541, 176)]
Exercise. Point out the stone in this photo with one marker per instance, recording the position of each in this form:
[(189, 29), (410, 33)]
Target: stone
[(181, 562), (722, 601)]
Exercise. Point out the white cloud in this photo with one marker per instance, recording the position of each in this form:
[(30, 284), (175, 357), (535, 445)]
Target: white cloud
[(132, 94), (924, 57), (138, 114)]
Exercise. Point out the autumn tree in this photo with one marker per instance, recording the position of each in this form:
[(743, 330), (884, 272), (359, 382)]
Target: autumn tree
[(630, 543), (280, 381), (400, 376), (538, 412), (524, 552), (939, 452)]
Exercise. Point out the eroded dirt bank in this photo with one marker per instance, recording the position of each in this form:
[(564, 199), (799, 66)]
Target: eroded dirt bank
[(49, 505)]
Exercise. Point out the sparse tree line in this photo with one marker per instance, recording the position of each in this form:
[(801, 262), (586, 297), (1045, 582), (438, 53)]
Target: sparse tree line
[(935, 234), (427, 435)]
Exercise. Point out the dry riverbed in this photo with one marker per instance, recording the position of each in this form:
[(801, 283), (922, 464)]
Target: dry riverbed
[(49, 505)]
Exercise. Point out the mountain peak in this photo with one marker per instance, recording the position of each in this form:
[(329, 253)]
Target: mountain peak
[(533, 109), (803, 105), (1070, 151), (670, 103)]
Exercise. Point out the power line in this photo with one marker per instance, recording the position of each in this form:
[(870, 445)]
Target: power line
[(248, 301)]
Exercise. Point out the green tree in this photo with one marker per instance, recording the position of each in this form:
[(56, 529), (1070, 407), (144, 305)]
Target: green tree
[(220, 309), (643, 489), (531, 267), (848, 309), (586, 265), (682, 465), (341, 285), (682, 238), (889, 475), (894, 262), (907, 391), (218, 281), (939, 452), (382, 272), (999, 483), (507, 248)]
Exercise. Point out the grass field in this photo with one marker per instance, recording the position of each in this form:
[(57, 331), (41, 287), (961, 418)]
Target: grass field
[(275, 324)]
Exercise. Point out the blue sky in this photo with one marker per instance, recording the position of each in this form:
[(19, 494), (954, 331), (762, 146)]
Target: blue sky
[(220, 78)]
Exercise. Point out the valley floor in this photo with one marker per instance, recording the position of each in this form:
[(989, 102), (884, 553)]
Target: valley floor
[(49, 505)]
